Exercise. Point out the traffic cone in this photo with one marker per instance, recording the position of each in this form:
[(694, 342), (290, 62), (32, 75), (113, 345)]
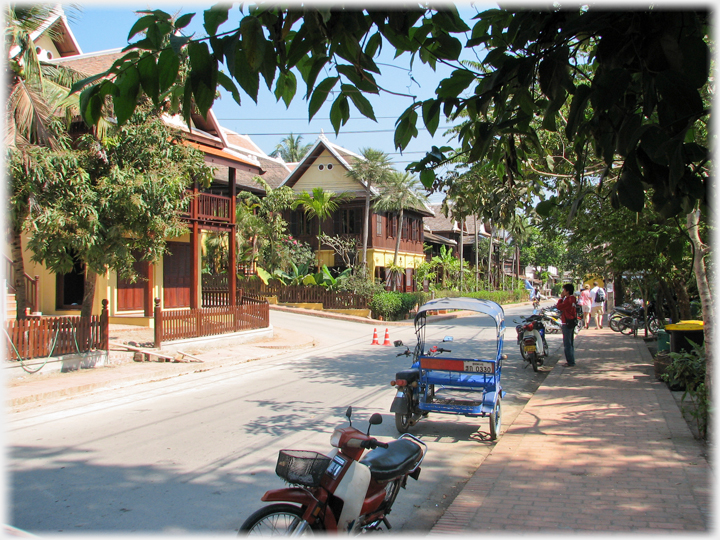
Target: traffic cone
[(375, 339), (387, 338)]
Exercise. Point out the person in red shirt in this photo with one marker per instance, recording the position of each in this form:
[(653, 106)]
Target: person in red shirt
[(568, 316)]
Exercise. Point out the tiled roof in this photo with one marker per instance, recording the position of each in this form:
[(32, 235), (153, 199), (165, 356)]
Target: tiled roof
[(440, 222), (92, 63)]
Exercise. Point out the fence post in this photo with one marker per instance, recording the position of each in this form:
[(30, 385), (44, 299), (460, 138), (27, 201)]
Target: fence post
[(158, 324), (104, 327)]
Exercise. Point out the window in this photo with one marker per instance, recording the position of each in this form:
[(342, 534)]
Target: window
[(348, 221), (392, 226), (321, 167), (405, 228), (414, 229), (378, 226), (329, 166), (70, 287), (299, 223)]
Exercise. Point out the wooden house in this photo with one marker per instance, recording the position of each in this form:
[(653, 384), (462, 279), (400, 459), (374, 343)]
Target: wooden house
[(326, 166)]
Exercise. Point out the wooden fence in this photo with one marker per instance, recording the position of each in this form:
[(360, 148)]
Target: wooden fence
[(46, 336), (176, 324), (300, 294)]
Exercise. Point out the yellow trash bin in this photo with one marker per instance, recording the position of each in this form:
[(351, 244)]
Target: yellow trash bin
[(682, 331)]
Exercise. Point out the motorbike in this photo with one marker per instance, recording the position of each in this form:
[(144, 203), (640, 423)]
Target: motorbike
[(531, 339), (551, 320), (625, 316), (343, 491)]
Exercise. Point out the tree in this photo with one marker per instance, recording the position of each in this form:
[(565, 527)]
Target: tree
[(374, 168), (398, 192), (635, 82), (99, 202), (321, 204), (290, 149)]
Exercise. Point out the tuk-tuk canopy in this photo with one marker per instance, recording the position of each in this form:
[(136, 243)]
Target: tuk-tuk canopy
[(487, 307)]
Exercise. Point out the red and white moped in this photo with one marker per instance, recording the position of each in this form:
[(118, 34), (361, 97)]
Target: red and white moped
[(344, 491)]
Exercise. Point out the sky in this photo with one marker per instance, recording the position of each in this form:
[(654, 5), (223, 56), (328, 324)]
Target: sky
[(99, 27)]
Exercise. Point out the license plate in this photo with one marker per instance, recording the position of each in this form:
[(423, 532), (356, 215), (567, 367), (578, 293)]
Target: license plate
[(479, 367), (530, 348)]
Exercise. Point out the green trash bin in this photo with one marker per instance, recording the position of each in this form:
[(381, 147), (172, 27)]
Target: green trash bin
[(663, 341)]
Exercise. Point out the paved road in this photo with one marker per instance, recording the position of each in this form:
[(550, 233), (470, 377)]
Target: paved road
[(194, 453)]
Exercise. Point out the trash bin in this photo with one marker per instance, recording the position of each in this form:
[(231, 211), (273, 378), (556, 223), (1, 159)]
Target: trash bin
[(663, 341), (681, 332)]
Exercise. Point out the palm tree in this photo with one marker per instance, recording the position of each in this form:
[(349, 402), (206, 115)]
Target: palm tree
[(291, 150), (399, 191), (373, 169), (35, 103), (321, 204)]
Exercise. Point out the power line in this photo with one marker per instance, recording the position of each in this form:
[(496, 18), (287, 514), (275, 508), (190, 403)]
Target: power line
[(341, 133), (305, 118)]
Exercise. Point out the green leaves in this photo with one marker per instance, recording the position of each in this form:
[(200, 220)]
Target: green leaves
[(458, 81), (405, 128), (285, 87), (320, 95), (203, 77)]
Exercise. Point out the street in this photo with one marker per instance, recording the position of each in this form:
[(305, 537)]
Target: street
[(195, 453)]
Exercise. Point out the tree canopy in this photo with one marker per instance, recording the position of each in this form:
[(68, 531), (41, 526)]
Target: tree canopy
[(632, 79)]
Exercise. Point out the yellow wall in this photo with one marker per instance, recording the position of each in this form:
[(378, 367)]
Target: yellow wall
[(105, 288), (384, 258), (334, 180)]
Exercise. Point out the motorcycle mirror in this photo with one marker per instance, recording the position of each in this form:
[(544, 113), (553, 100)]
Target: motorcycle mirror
[(398, 343), (348, 413), (447, 338), (375, 419)]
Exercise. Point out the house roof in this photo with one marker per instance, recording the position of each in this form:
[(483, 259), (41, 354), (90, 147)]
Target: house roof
[(275, 169), (345, 157), (65, 42), (91, 63), (441, 223), (450, 225)]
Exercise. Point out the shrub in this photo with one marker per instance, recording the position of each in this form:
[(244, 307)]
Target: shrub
[(501, 297), (394, 305), (361, 285), (687, 370)]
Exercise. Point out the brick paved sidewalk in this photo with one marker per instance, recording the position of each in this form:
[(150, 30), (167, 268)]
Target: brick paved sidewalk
[(600, 447)]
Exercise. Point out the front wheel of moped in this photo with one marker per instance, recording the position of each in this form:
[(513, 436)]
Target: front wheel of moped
[(276, 520)]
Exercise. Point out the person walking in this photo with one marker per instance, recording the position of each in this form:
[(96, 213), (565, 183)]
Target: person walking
[(597, 293), (568, 317), (586, 303)]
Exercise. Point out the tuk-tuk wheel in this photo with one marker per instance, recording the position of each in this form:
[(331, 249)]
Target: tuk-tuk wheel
[(495, 421)]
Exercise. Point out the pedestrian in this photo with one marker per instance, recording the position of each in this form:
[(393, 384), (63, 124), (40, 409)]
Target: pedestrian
[(597, 293), (568, 317), (586, 303)]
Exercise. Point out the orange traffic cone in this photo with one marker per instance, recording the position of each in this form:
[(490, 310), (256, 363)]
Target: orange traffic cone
[(375, 339), (387, 338)]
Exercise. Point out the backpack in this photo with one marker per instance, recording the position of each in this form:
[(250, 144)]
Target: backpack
[(599, 296)]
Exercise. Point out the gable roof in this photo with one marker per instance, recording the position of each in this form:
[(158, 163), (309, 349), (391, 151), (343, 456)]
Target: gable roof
[(65, 42), (275, 169), (450, 225), (345, 157)]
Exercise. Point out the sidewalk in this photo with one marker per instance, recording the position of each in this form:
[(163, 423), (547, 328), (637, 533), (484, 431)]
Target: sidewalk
[(601, 446)]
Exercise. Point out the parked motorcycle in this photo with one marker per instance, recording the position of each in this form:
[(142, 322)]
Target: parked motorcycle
[(344, 491), (624, 318), (531, 339)]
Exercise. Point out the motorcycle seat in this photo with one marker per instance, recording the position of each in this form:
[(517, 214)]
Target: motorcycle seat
[(400, 457), (409, 375)]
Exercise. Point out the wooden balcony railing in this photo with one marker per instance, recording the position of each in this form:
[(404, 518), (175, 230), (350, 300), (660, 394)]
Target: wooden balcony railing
[(210, 208)]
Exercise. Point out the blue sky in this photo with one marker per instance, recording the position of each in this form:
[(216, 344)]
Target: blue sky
[(105, 26)]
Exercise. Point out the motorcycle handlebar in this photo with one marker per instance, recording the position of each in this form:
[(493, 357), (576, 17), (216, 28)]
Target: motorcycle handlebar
[(372, 444)]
